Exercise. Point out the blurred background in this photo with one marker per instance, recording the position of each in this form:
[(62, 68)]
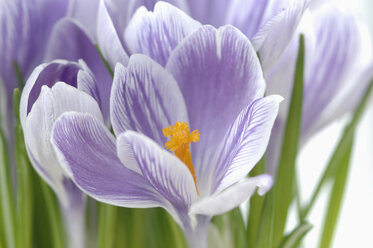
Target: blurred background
[(355, 225)]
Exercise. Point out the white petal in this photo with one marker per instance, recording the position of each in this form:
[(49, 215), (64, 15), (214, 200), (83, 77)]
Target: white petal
[(232, 197)]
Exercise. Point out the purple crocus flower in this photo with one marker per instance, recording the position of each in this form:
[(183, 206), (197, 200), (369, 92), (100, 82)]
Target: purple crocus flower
[(338, 67), (52, 89), (269, 24), (189, 124)]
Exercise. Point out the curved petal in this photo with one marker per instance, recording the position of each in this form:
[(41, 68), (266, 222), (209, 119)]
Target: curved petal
[(121, 11), (85, 12), (342, 53), (145, 98), (232, 197), (274, 36), (157, 33), (46, 74), (108, 39), (164, 171), (38, 127), (70, 41), (96, 169), (245, 142), (219, 74)]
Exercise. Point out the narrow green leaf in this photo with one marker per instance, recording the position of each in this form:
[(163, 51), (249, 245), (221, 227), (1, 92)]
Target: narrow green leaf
[(256, 205), (6, 193), (238, 228), (336, 196), (286, 172), (292, 240), (106, 225), (339, 151), (265, 232), (24, 183), (50, 217), (104, 61), (19, 75)]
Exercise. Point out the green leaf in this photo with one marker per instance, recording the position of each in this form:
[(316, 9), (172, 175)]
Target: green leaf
[(339, 151), (265, 232), (24, 183), (19, 75), (238, 228), (283, 188), (256, 205), (336, 196), (106, 225), (49, 228), (6, 193), (104, 61), (292, 240)]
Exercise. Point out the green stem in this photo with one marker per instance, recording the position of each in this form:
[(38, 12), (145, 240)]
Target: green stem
[(106, 225), (7, 199), (256, 205), (284, 185), (336, 197)]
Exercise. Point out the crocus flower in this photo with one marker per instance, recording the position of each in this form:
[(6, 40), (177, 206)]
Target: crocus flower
[(269, 24), (189, 124), (52, 89), (338, 67)]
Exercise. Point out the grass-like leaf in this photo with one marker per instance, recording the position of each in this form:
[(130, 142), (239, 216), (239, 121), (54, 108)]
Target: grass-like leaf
[(336, 196), (6, 193), (283, 188), (24, 183), (256, 205), (292, 240)]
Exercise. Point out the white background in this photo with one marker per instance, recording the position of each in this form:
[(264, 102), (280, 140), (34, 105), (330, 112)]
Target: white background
[(355, 225)]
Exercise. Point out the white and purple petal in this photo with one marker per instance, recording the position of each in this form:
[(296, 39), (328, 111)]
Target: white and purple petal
[(219, 74), (157, 33), (70, 41), (245, 142), (232, 197), (145, 98), (274, 36), (165, 172), (51, 103), (48, 74), (96, 168), (108, 38)]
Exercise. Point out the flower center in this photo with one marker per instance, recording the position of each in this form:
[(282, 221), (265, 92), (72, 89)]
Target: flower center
[(179, 142)]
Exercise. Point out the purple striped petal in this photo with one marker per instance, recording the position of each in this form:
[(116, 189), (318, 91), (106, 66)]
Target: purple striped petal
[(232, 197), (341, 55), (219, 74), (121, 11), (274, 36), (245, 142), (48, 74), (145, 98), (108, 38), (96, 169), (38, 127), (157, 33), (164, 171), (69, 41)]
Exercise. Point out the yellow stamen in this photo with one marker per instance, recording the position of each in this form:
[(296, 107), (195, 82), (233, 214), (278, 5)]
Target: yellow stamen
[(179, 142)]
